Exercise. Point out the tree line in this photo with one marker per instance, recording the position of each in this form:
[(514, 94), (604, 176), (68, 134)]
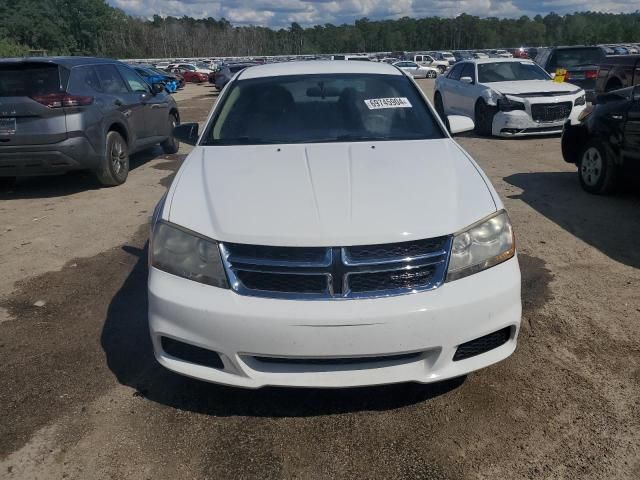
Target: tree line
[(92, 27)]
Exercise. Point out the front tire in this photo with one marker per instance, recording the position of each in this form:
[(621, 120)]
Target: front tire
[(171, 145), (597, 170), (114, 166), (439, 105), (484, 118)]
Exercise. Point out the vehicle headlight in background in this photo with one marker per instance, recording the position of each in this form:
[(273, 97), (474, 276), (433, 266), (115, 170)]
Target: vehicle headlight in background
[(187, 255), (581, 100), (481, 246)]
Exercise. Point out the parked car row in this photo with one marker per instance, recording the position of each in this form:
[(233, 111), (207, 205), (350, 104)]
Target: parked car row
[(80, 113)]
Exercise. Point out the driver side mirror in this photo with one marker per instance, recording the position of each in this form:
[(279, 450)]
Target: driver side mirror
[(157, 88), (467, 80), (187, 133)]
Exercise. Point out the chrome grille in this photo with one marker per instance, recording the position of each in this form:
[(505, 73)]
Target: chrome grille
[(550, 112), (338, 272)]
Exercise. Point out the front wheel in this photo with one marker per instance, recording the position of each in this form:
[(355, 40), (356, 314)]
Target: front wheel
[(114, 166), (171, 144), (596, 169), (484, 118), (432, 74)]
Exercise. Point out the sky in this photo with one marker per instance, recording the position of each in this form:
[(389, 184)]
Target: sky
[(281, 13)]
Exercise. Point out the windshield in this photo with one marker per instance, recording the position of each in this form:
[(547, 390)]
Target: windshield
[(510, 71), (321, 108)]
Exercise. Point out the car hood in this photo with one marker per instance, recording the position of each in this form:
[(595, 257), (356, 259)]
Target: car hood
[(532, 86), (330, 194)]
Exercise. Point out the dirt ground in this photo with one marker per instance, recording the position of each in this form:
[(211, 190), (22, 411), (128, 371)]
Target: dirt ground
[(81, 396)]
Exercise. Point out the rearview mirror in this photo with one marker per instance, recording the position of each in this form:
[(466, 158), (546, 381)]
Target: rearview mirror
[(459, 124), (157, 88), (187, 133), (466, 80)]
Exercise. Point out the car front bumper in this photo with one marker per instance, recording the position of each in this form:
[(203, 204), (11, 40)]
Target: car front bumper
[(518, 123), (423, 329)]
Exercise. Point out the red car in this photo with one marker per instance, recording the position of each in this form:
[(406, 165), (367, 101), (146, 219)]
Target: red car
[(191, 76)]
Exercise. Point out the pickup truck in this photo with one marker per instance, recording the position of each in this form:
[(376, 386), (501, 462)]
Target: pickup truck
[(618, 72), (429, 61)]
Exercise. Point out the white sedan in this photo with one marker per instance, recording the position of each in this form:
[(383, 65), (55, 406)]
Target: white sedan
[(327, 231), (508, 97), (415, 70)]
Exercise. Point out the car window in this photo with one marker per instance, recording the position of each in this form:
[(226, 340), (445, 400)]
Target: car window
[(510, 71), (411, 65), (84, 80), (574, 57), (454, 74), (110, 80), (321, 108), (237, 68), (468, 71), (24, 79), (136, 84), (419, 58)]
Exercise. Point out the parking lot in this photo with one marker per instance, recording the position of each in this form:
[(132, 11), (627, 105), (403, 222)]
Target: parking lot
[(82, 396)]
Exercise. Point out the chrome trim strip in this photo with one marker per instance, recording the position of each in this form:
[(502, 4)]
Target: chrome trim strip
[(238, 259), (348, 261)]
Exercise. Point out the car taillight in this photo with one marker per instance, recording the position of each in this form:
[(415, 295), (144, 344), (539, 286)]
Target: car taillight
[(59, 100), (591, 74)]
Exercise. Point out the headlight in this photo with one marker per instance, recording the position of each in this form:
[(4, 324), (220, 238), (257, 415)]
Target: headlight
[(581, 100), (483, 245), (187, 255), (506, 105)]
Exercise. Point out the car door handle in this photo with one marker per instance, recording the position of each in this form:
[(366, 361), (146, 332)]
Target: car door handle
[(616, 117), (158, 105)]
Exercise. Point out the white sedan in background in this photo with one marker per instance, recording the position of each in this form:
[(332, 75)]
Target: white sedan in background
[(508, 97), (415, 70)]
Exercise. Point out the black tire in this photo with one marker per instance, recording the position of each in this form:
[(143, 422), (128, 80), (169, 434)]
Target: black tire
[(431, 74), (171, 144), (442, 69), (597, 170), (114, 166), (439, 106), (483, 118)]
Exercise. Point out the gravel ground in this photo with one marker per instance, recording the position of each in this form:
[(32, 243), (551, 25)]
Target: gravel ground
[(82, 397)]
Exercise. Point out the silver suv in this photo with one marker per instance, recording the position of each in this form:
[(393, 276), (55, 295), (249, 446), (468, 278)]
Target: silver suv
[(79, 113)]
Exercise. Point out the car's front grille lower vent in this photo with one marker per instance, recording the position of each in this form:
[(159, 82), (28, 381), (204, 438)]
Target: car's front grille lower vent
[(338, 272), (551, 112)]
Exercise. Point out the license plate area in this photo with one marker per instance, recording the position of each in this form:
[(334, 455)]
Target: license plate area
[(7, 125)]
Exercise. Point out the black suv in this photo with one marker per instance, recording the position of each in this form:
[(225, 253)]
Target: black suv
[(605, 145), (70, 113), (581, 63)]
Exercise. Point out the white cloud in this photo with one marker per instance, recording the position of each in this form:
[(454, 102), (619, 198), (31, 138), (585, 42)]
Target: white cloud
[(277, 13)]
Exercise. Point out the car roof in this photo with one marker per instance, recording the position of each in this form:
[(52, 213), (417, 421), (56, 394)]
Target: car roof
[(315, 67), (64, 61)]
